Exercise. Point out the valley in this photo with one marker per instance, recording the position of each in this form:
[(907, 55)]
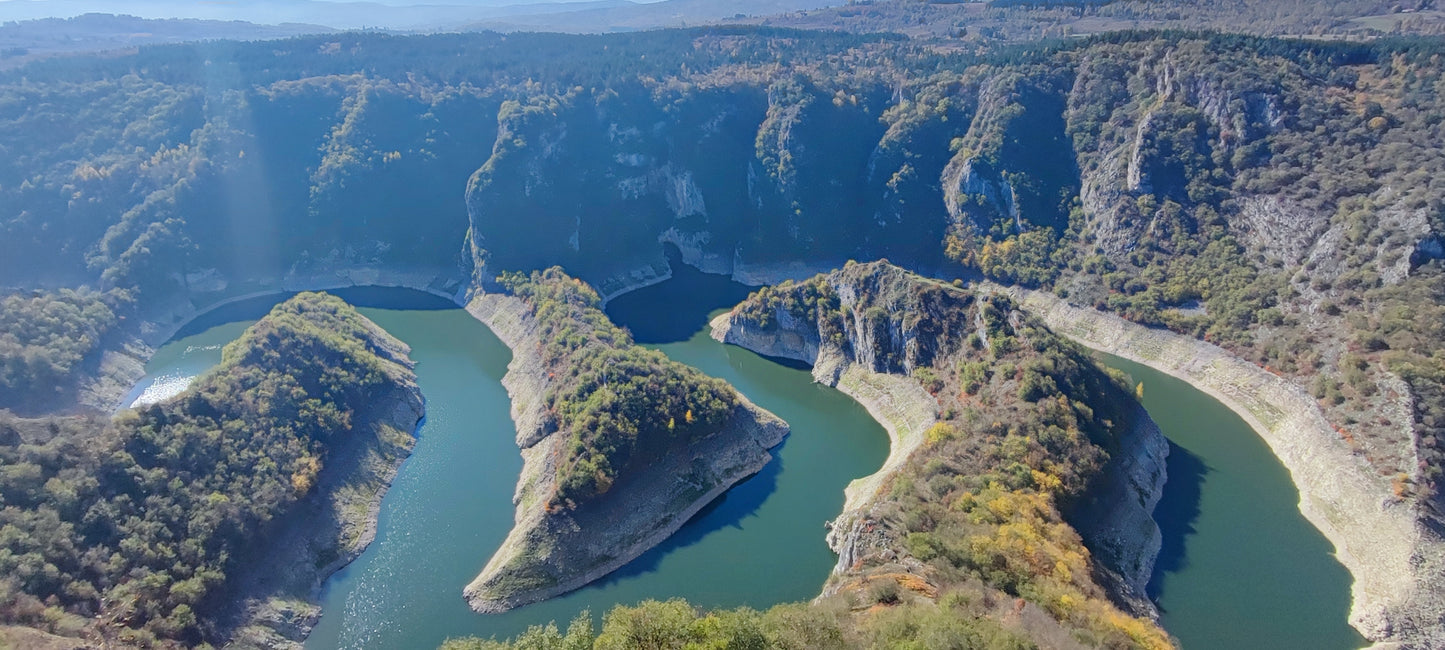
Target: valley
[(932, 231)]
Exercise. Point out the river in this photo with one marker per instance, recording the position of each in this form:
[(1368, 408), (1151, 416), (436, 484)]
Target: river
[(450, 505), (1240, 566)]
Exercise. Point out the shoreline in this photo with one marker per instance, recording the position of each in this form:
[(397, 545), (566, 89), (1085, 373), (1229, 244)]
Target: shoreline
[(121, 365), (273, 600), (492, 605), (1299, 437), (278, 613), (888, 399), (905, 410), (1373, 538), (596, 536), (291, 616)]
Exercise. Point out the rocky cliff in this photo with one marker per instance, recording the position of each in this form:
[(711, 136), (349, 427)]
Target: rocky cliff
[(893, 341), (332, 526), (1274, 197)]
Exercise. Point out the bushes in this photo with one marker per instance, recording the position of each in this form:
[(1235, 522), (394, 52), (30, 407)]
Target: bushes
[(675, 624), (619, 404), (45, 336), (1028, 425), (138, 519)]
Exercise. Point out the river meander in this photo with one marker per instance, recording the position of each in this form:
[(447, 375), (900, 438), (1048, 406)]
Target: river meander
[(450, 505), (1240, 566)]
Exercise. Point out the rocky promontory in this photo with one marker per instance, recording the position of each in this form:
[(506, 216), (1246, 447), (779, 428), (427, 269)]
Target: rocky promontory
[(599, 485), (934, 363)]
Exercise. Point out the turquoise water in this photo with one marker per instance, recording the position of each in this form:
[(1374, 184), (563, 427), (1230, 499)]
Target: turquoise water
[(450, 505), (1240, 567)]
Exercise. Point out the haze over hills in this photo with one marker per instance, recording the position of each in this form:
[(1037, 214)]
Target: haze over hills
[(581, 15), (1265, 213), (33, 39)]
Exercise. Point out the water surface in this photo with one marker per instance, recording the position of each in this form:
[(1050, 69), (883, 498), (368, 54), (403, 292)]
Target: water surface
[(1240, 566), (450, 505)]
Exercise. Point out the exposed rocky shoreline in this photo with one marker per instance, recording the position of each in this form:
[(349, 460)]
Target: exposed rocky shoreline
[(332, 527), (1118, 522), (1118, 526), (1390, 554), (899, 404), (274, 597), (1395, 559), (552, 552), (277, 599)]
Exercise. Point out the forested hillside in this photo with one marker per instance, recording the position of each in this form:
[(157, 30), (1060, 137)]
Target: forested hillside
[(621, 406), (1281, 198), (625, 446), (971, 542), (129, 529), (994, 502)]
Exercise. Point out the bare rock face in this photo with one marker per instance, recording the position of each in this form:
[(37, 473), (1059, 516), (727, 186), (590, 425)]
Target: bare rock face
[(549, 553), (1395, 557), (1277, 228), (886, 333), (1117, 520)]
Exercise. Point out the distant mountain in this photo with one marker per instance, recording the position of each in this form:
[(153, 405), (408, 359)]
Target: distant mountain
[(337, 15), (632, 16), (31, 39), (402, 15)]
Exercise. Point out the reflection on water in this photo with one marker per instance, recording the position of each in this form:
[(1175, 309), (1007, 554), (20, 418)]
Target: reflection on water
[(1240, 567), (450, 505), (163, 388)]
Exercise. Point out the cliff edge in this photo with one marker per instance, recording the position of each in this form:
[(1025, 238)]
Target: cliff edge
[(934, 363), (1393, 555)]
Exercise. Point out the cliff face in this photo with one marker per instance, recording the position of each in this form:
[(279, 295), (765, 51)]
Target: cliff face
[(557, 547), (1393, 557), (894, 341), (1269, 195), (1117, 518), (728, 175)]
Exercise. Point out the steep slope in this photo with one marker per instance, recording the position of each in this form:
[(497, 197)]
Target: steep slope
[(1000, 432), (1278, 198), (183, 521)]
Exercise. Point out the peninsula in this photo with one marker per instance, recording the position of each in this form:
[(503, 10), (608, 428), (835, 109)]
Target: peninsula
[(620, 445)]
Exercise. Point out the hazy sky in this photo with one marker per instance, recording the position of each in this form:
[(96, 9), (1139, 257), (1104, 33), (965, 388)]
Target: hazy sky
[(342, 14)]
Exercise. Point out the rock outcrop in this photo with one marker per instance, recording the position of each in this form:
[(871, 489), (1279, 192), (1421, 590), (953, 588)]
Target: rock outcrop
[(875, 357), (1117, 518), (1394, 557)]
